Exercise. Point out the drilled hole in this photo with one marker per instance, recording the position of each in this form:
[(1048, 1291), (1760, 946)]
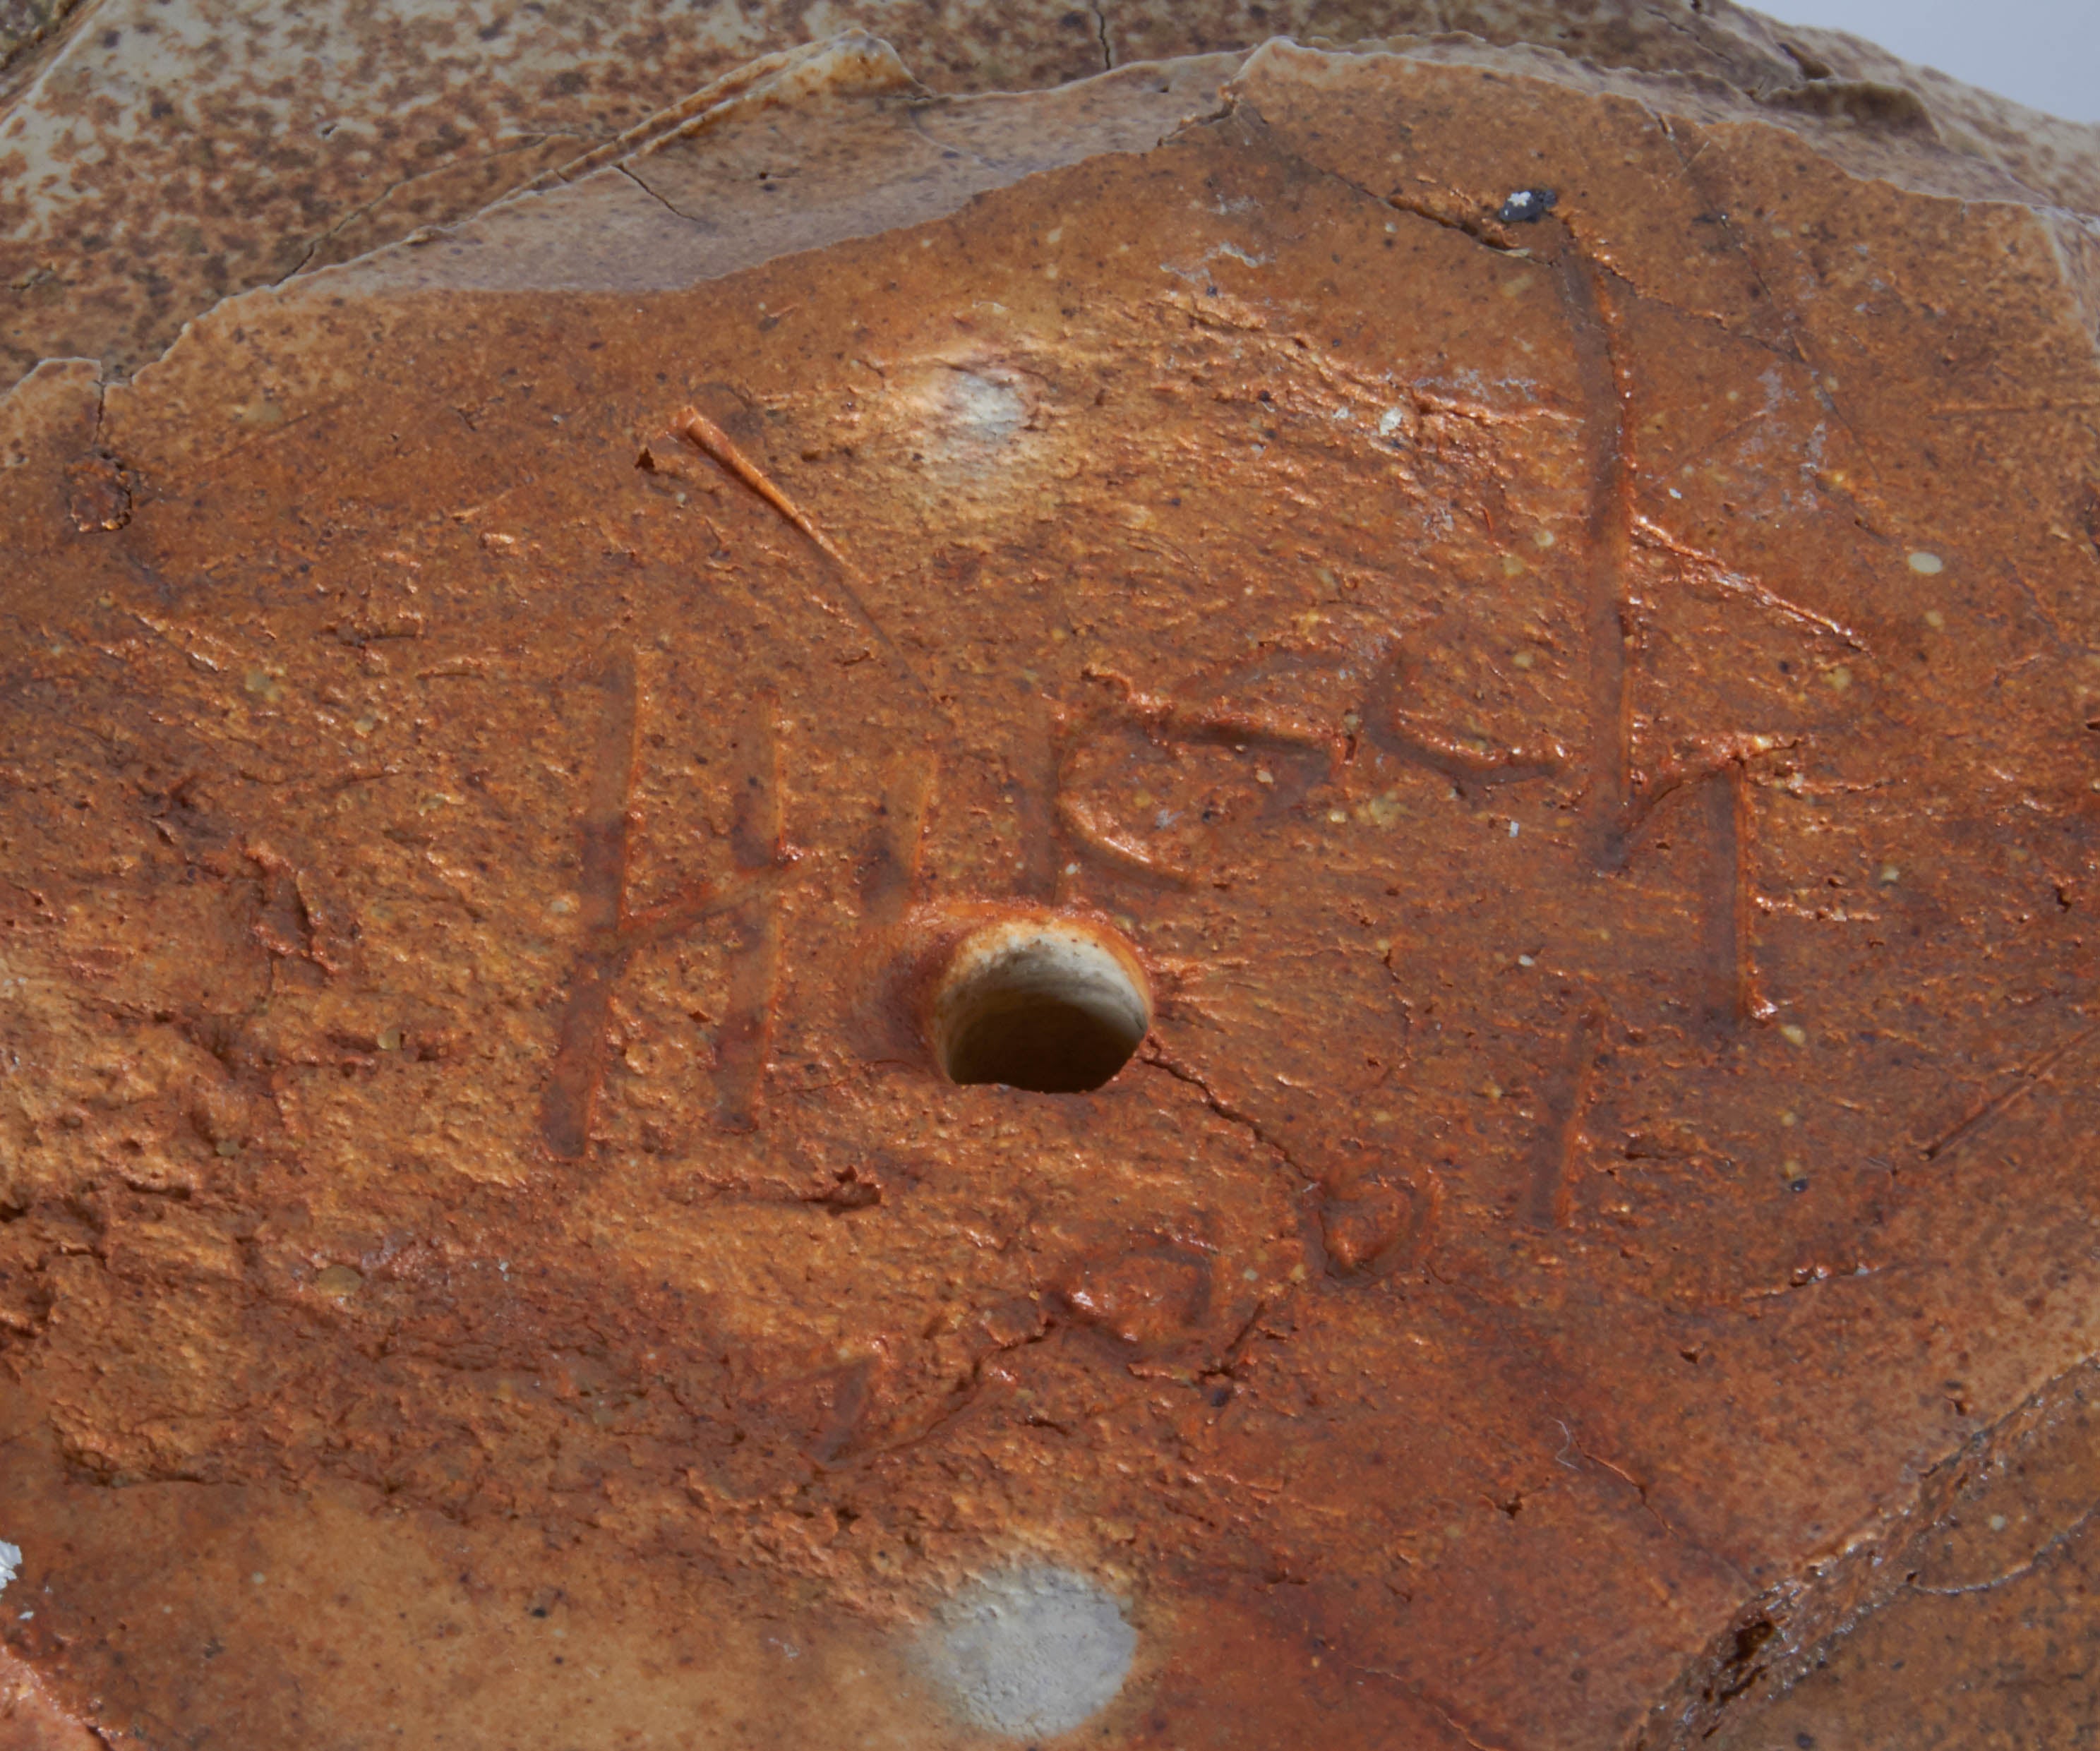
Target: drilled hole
[(1047, 1005)]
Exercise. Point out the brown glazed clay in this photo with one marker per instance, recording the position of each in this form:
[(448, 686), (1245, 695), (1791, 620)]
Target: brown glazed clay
[(1575, 718)]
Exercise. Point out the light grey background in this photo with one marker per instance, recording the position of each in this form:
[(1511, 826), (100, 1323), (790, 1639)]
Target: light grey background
[(2042, 52)]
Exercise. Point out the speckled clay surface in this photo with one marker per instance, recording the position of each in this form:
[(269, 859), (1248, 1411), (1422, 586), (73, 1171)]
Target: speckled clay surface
[(1579, 709)]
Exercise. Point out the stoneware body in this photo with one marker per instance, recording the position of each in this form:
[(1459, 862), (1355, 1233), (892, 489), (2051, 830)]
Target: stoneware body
[(1501, 602)]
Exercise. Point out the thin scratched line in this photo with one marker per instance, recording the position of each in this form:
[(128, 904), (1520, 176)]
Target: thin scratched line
[(2025, 1081), (711, 441), (1651, 534)]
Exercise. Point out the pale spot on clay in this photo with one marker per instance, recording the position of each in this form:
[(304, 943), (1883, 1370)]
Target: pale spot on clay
[(1030, 1651), (1931, 565), (961, 419), (11, 1563)]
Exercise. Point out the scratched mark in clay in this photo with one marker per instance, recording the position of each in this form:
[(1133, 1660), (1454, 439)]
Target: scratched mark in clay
[(1722, 762), (1394, 728), (1040, 786), (1730, 968), (2025, 1080), (754, 962), (1083, 828), (1606, 609), (612, 932), (889, 868), (1551, 1203), (570, 1101), (1617, 800)]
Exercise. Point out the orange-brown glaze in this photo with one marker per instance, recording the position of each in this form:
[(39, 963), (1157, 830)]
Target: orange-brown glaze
[(1585, 724)]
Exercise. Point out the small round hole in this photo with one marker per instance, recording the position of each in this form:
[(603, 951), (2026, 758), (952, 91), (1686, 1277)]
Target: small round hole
[(1049, 1005)]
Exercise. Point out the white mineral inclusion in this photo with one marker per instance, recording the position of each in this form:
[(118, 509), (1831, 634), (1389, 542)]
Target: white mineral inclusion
[(1029, 1651), (11, 1563), (1931, 564)]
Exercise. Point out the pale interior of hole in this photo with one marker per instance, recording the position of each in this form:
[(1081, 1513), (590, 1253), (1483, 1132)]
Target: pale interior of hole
[(998, 1002)]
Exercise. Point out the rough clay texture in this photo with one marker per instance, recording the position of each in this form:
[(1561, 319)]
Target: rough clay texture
[(1587, 725)]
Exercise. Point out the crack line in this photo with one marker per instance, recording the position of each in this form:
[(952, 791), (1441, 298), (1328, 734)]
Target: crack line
[(523, 142), (642, 183), (1158, 1056)]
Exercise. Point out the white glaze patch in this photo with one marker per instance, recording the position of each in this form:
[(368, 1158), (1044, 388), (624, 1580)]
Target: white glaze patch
[(964, 419), (1029, 1651)]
